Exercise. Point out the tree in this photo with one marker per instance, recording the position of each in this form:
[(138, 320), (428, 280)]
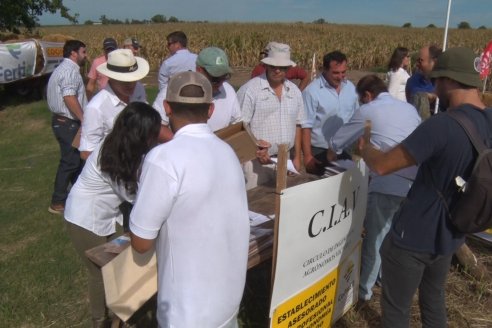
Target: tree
[(407, 25), (319, 21), (482, 27), (158, 19), (464, 25), (14, 13), (431, 26), (88, 22), (173, 19)]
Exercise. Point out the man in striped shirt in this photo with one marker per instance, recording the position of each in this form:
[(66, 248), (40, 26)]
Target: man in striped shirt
[(66, 100)]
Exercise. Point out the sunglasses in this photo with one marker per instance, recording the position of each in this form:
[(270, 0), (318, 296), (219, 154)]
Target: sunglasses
[(280, 68)]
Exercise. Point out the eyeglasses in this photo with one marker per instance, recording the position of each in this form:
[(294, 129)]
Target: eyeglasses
[(280, 68)]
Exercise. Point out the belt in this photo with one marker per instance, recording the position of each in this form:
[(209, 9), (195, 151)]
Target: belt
[(58, 116)]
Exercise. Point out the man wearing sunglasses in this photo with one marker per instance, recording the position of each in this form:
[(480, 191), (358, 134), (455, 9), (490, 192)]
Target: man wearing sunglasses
[(272, 106), (180, 59)]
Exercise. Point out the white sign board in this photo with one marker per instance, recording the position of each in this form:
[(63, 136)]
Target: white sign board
[(318, 255), (17, 61)]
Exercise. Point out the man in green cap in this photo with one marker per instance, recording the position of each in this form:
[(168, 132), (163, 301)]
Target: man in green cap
[(417, 252), (212, 62)]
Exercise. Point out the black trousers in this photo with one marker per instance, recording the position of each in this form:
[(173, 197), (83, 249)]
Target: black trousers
[(404, 272), (70, 164)]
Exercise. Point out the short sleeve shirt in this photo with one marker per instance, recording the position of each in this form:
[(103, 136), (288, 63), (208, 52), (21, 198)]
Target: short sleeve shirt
[(192, 198), (270, 118), (442, 149), (94, 74)]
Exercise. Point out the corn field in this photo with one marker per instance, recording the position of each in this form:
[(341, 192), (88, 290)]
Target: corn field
[(367, 47)]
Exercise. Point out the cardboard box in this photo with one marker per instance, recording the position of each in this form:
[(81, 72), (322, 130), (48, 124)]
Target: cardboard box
[(240, 138)]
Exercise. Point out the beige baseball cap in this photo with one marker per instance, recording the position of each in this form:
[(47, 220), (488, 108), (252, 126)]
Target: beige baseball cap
[(181, 80)]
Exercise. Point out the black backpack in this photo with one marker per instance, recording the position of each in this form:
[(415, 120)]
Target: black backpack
[(472, 210)]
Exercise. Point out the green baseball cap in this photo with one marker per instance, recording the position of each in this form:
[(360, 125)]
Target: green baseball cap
[(214, 61), (458, 64)]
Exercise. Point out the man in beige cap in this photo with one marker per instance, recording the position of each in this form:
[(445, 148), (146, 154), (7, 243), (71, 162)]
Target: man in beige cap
[(417, 251), (191, 203), (132, 44), (124, 70), (273, 108), (213, 63)]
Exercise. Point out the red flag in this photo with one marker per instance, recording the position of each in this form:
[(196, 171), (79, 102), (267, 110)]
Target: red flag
[(485, 61)]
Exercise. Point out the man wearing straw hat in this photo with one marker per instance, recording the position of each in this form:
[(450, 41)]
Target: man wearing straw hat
[(417, 251), (192, 203), (124, 70), (273, 108)]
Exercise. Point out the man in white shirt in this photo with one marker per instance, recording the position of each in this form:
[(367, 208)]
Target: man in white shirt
[(181, 59), (192, 203), (66, 100), (124, 71), (213, 63)]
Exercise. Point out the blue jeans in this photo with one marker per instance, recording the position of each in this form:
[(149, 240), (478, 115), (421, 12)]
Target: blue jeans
[(379, 215), (404, 272), (70, 164)]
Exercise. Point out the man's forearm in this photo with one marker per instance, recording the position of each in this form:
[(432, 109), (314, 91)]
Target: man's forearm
[(306, 141), (74, 107), (298, 142)]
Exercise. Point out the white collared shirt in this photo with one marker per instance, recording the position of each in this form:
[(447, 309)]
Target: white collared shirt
[(65, 81), (93, 202), (192, 198), (100, 114)]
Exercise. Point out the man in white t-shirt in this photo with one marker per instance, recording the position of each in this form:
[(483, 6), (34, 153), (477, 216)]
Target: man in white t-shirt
[(124, 70), (197, 218), (213, 63)]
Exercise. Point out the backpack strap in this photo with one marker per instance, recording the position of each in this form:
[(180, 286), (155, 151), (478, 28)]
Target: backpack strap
[(470, 129)]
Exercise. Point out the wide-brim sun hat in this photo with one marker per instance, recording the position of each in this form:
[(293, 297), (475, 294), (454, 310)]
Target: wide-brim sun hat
[(278, 55), (123, 66), (458, 64)]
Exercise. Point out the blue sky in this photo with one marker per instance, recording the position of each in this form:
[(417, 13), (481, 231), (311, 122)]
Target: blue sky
[(387, 12)]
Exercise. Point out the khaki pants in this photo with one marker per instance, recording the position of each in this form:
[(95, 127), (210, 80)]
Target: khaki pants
[(83, 240)]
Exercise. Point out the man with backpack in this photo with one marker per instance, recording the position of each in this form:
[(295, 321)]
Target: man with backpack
[(417, 251)]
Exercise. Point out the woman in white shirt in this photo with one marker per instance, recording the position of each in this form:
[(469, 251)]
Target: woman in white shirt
[(108, 178), (398, 75)]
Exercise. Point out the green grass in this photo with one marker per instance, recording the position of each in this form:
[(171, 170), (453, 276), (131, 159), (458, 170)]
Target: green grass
[(43, 282)]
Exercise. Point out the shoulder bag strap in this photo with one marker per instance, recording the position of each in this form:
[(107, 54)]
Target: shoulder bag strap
[(470, 129)]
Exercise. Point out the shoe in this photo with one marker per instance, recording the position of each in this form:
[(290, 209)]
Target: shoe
[(56, 209)]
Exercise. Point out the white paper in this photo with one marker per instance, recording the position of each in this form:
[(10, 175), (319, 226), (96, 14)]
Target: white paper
[(256, 219), (290, 165)]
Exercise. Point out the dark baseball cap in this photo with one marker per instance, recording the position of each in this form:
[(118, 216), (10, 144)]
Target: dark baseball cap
[(458, 64), (110, 44)]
